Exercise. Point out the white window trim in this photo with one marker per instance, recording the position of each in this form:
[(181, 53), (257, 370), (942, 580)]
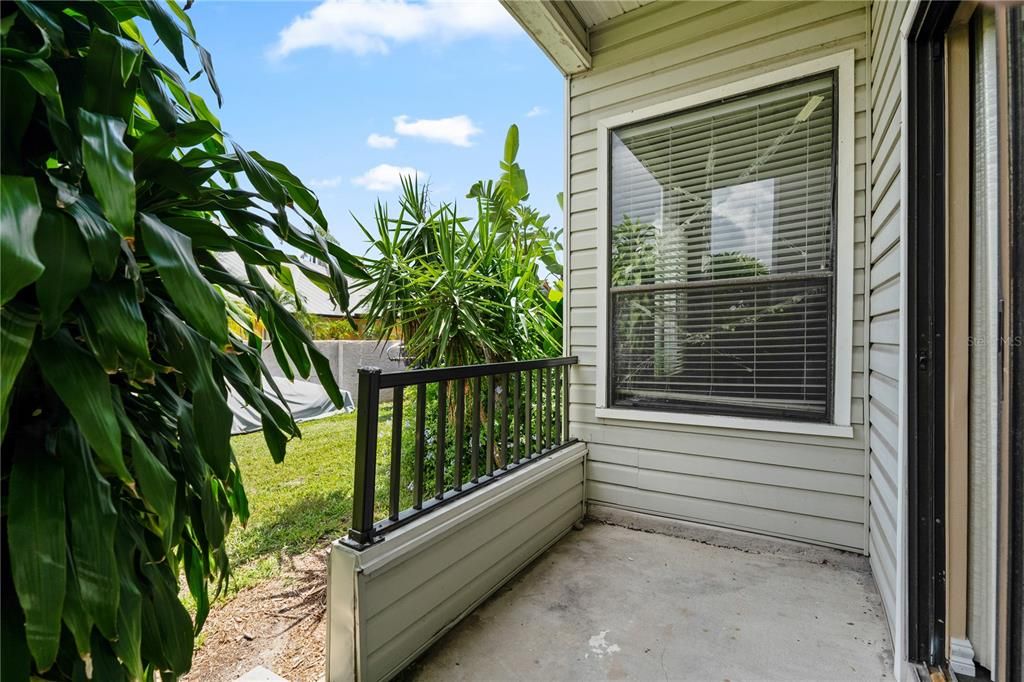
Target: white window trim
[(843, 64)]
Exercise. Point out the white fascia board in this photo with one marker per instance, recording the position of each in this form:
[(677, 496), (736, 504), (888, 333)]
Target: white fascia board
[(556, 29)]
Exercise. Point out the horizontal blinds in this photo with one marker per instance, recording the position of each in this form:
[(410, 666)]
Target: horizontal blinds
[(739, 190)]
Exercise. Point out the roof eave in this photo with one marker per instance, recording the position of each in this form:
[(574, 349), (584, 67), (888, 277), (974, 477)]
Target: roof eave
[(556, 28)]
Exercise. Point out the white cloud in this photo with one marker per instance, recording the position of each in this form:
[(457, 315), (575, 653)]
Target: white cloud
[(381, 141), (325, 183), (385, 177), (536, 111), (456, 130), (374, 26)]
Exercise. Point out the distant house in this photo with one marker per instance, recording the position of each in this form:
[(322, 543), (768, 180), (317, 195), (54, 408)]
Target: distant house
[(314, 299)]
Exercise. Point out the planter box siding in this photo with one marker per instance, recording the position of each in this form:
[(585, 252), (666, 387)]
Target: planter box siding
[(392, 600), (805, 486)]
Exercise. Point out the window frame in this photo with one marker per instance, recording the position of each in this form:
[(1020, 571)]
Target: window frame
[(842, 65)]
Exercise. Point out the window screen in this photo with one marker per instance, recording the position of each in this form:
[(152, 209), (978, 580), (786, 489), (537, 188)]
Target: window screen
[(722, 271)]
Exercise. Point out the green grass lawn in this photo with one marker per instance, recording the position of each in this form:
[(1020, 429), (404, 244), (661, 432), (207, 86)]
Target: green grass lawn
[(302, 502)]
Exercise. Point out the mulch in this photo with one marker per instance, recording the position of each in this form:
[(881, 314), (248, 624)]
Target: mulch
[(279, 624)]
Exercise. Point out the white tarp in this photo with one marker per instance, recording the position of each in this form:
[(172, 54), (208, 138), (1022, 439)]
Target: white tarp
[(304, 399)]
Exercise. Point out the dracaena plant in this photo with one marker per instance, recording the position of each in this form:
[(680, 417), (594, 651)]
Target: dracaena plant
[(122, 334), (463, 290)]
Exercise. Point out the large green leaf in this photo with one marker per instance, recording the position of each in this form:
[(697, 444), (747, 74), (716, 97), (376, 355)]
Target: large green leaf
[(167, 30), (93, 521), (172, 620), (35, 525), (19, 215), (171, 252), (102, 240), (207, 61), (63, 252), (195, 576), (190, 352), (109, 72), (128, 644), (43, 80), (74, 615), (108, 163), (16, 331), (159, 101), (116, 314), (84, 388), (157, 484), (264, 183)]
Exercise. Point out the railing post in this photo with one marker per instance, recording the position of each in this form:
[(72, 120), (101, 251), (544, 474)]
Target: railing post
[(367, 409), (565, 403)]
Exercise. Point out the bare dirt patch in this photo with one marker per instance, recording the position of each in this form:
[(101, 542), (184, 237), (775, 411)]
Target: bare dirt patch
[(278, 624)]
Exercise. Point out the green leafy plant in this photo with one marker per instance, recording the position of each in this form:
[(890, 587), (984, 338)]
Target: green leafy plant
[(462, 290), (118, 189)]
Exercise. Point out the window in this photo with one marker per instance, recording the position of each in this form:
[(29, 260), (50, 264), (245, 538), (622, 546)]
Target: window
[(722, 258)]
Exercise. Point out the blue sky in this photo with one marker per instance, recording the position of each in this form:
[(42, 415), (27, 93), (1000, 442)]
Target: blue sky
[(308, 83)]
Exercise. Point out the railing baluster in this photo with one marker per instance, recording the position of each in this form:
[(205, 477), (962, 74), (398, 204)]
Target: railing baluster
[(442, 446), (547, 408), (504, 421), (490, 425), (364, 476), (394, 490), (475, 436), (558, 407), (534, 420), (516, 451), (565, 403), (540, 411), (421, 423), (529, 415), (460, 429)]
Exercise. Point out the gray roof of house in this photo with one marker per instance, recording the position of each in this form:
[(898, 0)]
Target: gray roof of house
[(314, 299)]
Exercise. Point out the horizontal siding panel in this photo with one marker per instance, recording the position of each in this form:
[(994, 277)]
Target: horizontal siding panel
[(810, 503), (618, 474), (648, 20), (621, 43), (885, 358), (883, 568), (886, 298), (887, 236), (587, 110), (752, 472), (885, 328), (814, 529), (716, 49), (785, 451), (887, 267), (883, 496)]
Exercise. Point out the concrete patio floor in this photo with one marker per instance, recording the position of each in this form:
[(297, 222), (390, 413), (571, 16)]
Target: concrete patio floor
[(612, 603)]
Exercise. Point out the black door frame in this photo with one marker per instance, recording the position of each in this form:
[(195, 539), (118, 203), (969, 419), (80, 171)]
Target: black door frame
[(1015, 46), (926, 322)]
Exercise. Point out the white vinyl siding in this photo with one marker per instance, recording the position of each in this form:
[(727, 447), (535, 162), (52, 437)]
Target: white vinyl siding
[(804, 486), (885, 267)]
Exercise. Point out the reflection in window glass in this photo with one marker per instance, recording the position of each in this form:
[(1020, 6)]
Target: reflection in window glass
[(721, 239)]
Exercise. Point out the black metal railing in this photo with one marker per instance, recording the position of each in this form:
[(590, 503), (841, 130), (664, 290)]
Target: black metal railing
[(518, 412)]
